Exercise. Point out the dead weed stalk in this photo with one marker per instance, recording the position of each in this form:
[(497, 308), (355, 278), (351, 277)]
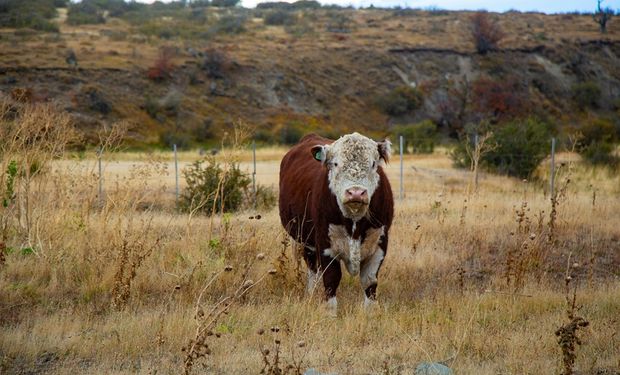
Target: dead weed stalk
[(567, 333)]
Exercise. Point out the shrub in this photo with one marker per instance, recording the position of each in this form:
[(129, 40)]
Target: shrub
[(33, 14), (597, 142), (291, 133), (586, 95), (485, 33), (339, 23), (519, 147), (200, 3), (301, 4), (400, 101), (233, 24), (500, 99), (211, 188), (279, 18), (215, 63), (421, 136), (225, 3), (162, 67), (85, 13)]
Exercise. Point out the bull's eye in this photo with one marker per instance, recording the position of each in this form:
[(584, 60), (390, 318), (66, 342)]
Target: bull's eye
[(335, 164)]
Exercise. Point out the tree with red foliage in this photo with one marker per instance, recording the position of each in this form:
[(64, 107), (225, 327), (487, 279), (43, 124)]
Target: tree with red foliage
[(485, 32), (163, 66), (501, 99)]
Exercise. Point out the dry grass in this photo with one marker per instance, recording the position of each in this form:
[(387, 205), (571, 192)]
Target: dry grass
[(124, 286)]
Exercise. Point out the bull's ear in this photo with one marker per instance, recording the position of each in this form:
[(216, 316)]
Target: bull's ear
[(385, 149), (319, 152)]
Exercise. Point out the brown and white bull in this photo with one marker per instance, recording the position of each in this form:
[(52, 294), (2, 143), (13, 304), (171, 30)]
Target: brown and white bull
[(336, 201)]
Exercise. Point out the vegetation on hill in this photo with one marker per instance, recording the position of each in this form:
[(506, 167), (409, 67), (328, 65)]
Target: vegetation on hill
[(184, 72), (34, 14)]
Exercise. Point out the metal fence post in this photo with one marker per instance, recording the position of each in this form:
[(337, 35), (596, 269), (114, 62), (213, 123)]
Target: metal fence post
[(254, 171), (552, 179), (401, 190), (176, 175), (100, 193)]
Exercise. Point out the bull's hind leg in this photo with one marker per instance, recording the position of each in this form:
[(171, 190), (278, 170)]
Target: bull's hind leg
[(330, 267)]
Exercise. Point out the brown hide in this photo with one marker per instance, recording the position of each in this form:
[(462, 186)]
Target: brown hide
[(307, 206)]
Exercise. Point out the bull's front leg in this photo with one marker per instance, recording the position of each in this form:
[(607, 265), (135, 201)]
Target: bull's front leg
[(371, 265), (332, 273)]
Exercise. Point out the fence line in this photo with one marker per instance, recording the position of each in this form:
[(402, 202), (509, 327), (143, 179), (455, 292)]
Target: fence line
[(401, 171)]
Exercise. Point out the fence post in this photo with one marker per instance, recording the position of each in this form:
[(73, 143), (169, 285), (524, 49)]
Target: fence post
[(552, 179), (100, 193), (400, 195), (477, 157), (176, 175), (254, 171)]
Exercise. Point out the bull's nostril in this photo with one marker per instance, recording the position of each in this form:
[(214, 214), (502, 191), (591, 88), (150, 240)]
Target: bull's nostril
[(356, 194)]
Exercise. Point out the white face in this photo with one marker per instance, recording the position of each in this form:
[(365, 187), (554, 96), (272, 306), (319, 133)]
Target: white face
[(352, 162)]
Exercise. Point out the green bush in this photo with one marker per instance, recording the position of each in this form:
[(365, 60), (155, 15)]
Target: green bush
[(224, 3), (85, 13), (339, 23), (210, 186), (422, 136), (517, 149), (597, 142), (279, 18), (233, 24), (33, 14), (400, 101), (586, 95)]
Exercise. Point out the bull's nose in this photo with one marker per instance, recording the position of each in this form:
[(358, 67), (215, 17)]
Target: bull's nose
[(356, 195)]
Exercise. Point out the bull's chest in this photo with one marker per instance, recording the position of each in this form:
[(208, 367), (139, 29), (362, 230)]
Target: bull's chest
[(353, 251)]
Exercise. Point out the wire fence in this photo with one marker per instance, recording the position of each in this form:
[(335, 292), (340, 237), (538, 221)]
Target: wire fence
[(267, 173)]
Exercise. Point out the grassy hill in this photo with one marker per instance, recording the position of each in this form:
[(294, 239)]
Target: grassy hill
[(187, 75)]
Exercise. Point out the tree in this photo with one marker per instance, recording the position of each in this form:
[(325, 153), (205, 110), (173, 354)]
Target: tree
[(602, 16), (485, 32)]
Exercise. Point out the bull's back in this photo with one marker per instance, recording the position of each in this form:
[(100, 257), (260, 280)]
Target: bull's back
[(298, 173)]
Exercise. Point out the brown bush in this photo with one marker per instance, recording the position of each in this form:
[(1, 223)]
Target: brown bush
[(163, 66), (485, 32), (501, 99)]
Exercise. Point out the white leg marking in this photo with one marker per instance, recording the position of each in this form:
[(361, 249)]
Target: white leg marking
[(311, 284), (370, 267), (332, 306), (369, 303)]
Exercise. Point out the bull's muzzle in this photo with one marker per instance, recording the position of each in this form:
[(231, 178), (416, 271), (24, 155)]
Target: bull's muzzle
[(356, 196)]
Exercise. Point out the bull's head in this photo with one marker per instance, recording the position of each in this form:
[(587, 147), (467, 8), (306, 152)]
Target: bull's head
[(352, 162)]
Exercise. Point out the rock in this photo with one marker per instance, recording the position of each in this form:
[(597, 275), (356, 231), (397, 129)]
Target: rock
[(432, 368), (313, 371)]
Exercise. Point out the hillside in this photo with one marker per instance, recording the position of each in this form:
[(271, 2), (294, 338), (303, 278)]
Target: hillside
[(331, 70)]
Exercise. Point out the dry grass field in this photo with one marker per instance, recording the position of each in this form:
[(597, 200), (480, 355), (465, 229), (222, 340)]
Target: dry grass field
[(479, 280)]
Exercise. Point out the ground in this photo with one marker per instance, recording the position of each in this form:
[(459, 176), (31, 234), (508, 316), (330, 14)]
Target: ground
[(475, 279)]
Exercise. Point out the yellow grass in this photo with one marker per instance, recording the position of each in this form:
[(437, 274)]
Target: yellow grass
[(57, 316), (126, 284)]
